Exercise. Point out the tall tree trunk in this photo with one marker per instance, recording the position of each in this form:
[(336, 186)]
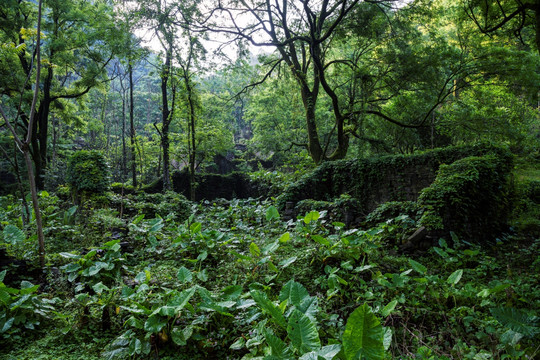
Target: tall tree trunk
[(166, 114), (42, 129), (124, 151), (193, 145), (314, 145), (132, 127)]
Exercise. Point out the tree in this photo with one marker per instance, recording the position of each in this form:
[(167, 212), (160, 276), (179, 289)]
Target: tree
[(24, 143), (306, 37), (80, 42), (159, 16), (516, 15)]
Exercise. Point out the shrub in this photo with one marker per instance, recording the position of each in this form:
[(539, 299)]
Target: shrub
[(88, 172)]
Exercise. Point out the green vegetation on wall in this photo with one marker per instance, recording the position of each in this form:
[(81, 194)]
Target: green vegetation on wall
[(88, 172), (471, 196)]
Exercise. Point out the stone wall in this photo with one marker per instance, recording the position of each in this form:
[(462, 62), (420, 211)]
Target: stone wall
[(373, 181)]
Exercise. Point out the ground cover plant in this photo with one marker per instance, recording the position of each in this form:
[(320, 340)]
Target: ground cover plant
[(280, 179), (234, 280)]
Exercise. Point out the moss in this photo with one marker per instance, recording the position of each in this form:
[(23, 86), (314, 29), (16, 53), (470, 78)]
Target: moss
[(377, 180), (120, 188), (471, 197)]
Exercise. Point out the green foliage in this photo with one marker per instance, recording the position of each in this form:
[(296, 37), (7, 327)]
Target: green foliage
[(363, 336), (88, 171), (375, 180), (22, 309), (391, 210), (470, 196)]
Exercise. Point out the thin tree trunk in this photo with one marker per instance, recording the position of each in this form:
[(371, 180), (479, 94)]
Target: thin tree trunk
[(124, 151), (132, 127)]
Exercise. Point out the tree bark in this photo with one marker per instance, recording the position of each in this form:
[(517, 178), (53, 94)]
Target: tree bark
[(132, 127)]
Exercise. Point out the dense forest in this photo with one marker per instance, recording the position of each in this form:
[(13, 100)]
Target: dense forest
[(279, 179)]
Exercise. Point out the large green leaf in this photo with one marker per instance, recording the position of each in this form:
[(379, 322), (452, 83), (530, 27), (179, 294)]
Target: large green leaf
[(155, 323), (184, 275), (311, 216), (296, 295), (266, 305), (13, 234), (254, 250), (363, 337), (327, 353), (387, 310), (417, 266), (180, 300), (272, 213), (181, 336), (454, 278), (278, 348), (516, 320), (303, 332), (294, 292)]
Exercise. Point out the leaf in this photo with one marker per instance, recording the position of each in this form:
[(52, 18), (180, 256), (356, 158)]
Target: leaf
[(28, 288), (389, 308), (155, 323), (270, 248), (240, 256), (321, 240), (363, 336), (69, 255), (294, 292), (303, 332), (254, 250), (311, 216), (4, 297), (202, 275), (232, 292), (13, 235), (99, 288), (7, 325), (516, 320), (328, 352), (387, 338), (180, 300), (166, 310), (285, 237), (272, 213), (238, 344), (2, 275), (266, 305), (417, 266), (454, 278), (71, 211), (287, 262), (195, 227), (277, 346), (184, 275), (440, 252), (138, 219), (156, 225)]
